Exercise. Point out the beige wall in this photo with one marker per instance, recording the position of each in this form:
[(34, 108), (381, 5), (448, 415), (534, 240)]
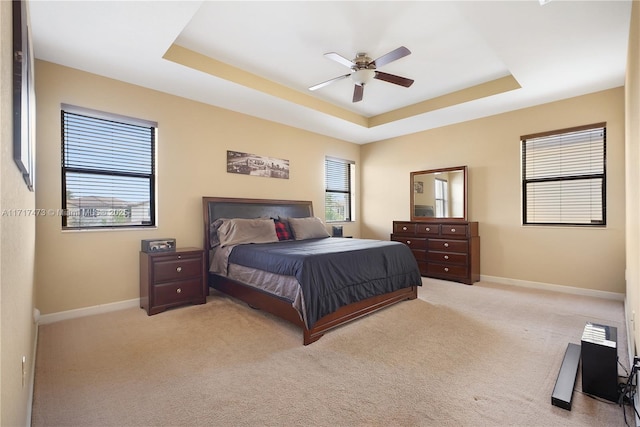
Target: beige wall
[(81, 269), (592, 258), (17, 253), (632, 108)]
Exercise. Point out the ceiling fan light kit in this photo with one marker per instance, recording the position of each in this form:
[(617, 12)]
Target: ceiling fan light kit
[(363, 70), (362, 77)]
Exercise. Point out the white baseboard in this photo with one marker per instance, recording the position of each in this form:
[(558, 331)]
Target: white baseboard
[(88, 311), (557, 288)]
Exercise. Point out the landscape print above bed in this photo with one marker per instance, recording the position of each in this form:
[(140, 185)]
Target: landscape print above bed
[(252, 164)]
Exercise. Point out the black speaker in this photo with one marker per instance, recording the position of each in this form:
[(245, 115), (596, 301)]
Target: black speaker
[(600, 361)]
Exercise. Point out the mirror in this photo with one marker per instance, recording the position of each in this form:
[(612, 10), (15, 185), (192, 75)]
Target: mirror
[(439, 194)]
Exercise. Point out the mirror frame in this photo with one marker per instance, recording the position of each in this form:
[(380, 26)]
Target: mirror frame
[(442, 219)]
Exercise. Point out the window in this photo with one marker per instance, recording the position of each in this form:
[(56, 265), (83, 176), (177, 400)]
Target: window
[(338, 201), (108, 170), (564, 177)]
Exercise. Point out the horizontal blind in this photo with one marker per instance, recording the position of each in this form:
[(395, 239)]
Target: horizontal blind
[(101, 145), (564, 178), (337, 176), (108, 172), (337, 190)]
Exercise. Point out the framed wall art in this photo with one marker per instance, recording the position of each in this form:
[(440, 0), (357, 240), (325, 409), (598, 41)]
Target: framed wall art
[(24, 100), (251, 164)]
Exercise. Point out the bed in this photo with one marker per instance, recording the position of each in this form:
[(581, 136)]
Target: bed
[(302, 275)]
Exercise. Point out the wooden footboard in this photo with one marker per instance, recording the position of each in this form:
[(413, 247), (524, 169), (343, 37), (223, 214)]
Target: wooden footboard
[(269, 303), (356, 310)]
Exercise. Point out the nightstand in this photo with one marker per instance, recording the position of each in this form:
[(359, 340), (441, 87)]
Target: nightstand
[(170, 279)]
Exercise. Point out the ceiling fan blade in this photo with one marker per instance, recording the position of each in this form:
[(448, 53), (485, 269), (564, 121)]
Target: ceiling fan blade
[(358, 91), (340, 59), (392, 78), (323, 84), (395, 54)]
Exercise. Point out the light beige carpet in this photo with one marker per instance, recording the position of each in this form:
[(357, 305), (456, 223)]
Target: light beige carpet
[(482, 355)]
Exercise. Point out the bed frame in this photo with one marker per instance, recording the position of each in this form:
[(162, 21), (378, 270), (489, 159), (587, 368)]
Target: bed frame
[(220, 207)]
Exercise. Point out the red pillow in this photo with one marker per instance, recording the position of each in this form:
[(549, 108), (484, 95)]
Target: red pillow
[(282, 230)]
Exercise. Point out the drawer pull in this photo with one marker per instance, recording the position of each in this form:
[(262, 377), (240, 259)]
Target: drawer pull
[(453, 230), (428, 229), (446, 257), (178, 291), (446, 245), (179, 256), (446, 269), (408, 242), (404, 228), (179, 269)]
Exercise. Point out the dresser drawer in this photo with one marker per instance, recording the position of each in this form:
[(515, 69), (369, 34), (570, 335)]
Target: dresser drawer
[(447, 257), (454, 230), (177, 269), (412, 242), (444, 245), (454, 271), (177, 292), (404, 227), (428, 229)]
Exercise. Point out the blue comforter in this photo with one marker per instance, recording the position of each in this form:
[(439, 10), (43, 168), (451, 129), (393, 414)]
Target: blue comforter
[(334, 272)]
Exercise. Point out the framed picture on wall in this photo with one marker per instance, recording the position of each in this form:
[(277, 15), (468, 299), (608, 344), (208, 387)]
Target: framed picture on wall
[(252, 164), (418, 187), (24, 100)]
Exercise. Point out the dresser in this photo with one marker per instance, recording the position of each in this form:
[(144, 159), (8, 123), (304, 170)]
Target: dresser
[(170, 279), (444, 250)]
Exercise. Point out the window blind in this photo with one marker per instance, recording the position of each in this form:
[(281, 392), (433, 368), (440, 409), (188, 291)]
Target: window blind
[(337, 190), (564, 179), (108, 171)]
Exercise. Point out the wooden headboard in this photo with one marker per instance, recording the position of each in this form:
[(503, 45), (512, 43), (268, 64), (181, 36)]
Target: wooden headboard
[(228, 207)]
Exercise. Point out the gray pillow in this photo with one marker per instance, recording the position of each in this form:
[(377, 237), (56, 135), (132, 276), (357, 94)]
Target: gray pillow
[(307, 228), (239, 231)]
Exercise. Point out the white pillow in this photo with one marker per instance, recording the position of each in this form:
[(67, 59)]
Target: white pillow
[(238, 231), (307, 228)]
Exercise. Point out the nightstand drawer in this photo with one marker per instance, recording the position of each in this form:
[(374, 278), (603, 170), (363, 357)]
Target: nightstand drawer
[(175, 292), (177, 270)]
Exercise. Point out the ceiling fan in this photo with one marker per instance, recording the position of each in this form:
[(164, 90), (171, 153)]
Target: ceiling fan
[(363, 70)]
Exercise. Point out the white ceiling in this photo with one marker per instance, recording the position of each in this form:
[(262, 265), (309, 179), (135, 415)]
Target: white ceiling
[(554, 51)]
